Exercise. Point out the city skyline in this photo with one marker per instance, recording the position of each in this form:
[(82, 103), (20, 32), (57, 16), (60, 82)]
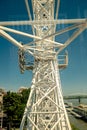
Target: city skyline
[(73, 78)]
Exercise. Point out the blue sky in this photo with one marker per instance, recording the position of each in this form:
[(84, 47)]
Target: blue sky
[(73, 78)]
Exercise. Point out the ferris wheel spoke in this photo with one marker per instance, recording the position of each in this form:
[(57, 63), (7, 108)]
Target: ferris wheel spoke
[(43, 22), (57, 10), (11, 39), (28, 10), (73, 36), (28, 35)]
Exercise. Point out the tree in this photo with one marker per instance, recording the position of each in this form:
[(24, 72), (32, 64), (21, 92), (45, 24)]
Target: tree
[(11, 103), (14, 105), (25, 94)]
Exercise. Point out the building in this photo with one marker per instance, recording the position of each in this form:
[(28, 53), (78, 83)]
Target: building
[(2, 115), (21, 89)]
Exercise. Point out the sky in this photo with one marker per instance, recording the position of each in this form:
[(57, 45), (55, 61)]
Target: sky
[(73, 78)]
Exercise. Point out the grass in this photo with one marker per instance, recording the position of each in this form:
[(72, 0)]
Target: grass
[(73, 127)]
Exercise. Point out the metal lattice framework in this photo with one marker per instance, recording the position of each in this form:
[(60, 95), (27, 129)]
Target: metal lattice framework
[(45, 109)]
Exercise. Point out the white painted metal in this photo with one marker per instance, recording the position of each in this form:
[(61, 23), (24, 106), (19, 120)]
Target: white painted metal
[(12, 40), (75, 34), (45, 108), (45, 22), (28, 35), (28, 9)]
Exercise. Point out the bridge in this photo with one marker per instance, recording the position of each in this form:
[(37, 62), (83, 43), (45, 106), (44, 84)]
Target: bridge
[(76, 96)]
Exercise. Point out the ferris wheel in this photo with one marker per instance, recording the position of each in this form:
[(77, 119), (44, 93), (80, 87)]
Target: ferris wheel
[(45, 109)]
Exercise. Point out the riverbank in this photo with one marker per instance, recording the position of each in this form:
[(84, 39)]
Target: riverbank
[(77, 124)]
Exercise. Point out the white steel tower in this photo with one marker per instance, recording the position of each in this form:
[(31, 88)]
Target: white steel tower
[(45, 109)]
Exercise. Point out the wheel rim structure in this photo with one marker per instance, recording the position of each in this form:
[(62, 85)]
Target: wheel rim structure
[(45, 109)]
